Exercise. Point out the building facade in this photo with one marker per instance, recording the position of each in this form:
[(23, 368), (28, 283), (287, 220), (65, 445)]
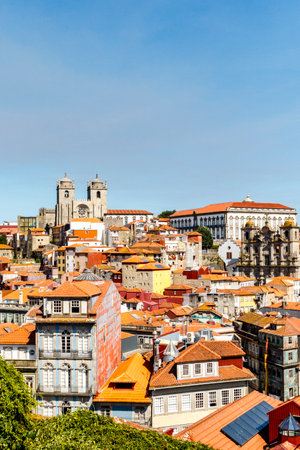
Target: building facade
[(267, 253), (225, 220), (67, 207), (78, 344)]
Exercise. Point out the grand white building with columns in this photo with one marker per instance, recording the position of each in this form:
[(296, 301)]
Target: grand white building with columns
[(225, 220)]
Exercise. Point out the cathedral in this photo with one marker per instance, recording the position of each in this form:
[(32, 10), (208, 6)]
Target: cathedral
[(67, 207)]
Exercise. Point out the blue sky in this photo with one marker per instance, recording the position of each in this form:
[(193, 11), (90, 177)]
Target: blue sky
[(177, 104)]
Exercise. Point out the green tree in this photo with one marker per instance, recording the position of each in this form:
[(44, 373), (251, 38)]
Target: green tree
[(207, 239), (166, 214), (87, 430), (3, 239), (16, 404)]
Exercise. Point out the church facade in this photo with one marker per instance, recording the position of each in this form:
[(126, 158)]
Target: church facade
[(67, 207)]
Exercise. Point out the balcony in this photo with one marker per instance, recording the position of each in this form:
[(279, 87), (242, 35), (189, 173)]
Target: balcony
[(66, 355), (66, 390)]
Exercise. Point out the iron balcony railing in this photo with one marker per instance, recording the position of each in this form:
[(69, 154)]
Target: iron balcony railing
[(65, 389), (67, 355)]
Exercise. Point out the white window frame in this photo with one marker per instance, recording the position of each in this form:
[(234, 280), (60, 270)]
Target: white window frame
[(199, 400), (210, 364), (188, 370), (236, 396), (186, 405), (57, 306), (227, 393), (210, 394), (159, 405), (199, 365), (172, 403)]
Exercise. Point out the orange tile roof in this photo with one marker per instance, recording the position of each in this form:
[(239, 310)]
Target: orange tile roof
[(22, 336), (8, 327), (127, 211), (134, 370), (179, 287), (221, 207), (153, 266), (181, 311), (125, 335), (208, 430), (5, 247), (103, 290), (291, 327), (4, 260), (136, 260), (75, 289), (224, 348)]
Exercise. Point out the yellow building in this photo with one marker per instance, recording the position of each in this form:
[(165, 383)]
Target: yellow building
[(61, 260), (146, 274), (154, 277), (244, 301)]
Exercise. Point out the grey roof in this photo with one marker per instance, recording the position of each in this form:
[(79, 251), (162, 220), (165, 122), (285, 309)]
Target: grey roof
[(171, 350), (87, 275), (289, 424)]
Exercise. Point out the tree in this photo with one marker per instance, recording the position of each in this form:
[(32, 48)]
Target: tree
[(3, 239), (207, 239), (16, 404), (166, 214)]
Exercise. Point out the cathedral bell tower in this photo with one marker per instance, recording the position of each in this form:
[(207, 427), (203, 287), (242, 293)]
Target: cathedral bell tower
[(97, 195), (65, 190)]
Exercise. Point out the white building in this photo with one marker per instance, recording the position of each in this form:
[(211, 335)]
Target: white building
[(226, 219)]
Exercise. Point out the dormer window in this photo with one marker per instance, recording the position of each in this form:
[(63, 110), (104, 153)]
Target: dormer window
[(75, 306), (185, 370), (57, 306), (198, 369), (123, 386), (209, 368)]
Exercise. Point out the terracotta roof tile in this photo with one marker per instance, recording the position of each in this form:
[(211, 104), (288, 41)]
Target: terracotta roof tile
[(208, 430), (221, 207)]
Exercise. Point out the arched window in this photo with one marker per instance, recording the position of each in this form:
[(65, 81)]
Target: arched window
[(48, 342), (47, 409), (82, 377), (48, 375), (98, 194), (65, 342), (65, 376), (83, 343), (65, 407), (67, 194)]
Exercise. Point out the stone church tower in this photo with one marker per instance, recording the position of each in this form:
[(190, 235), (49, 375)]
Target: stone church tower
[(67, 207)]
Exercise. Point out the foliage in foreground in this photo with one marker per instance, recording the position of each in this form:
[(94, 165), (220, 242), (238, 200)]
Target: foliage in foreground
[(84, 430), (87, 430), (16, 403), (166, 214), (207, 239)]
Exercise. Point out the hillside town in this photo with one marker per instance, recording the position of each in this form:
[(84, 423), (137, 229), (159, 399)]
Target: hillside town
[(187, 323)]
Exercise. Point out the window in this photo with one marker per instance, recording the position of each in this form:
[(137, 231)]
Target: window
[(48, 375), (209, 367), (290, 356), (7, 353), (29, 381), (48, 342), (159, 405), (83, 343), (47, 409), (185, 402), (290, 340), (199, 400), (65, 342), (66, 408), (237, 393), (75, 306), (57, 306), (225, 397), (98, 194), (198, 369), (212, 399), (66, 194), (22, 353), (172, 403), (82, 376), (65, 376), (291, 373), (229, 255), (105, 411), (185, 370)]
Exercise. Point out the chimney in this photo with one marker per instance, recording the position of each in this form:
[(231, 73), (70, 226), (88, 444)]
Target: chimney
[(284, 303), (20, 296)]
